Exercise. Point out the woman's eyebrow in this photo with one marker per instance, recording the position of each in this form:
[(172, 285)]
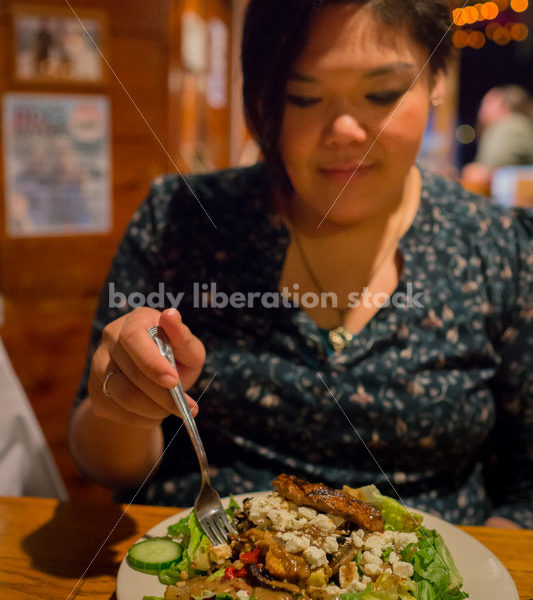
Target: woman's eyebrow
[(390, 68), (383, 70)]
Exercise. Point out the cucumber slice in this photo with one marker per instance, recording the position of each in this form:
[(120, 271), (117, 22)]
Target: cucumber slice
[(153, 555)]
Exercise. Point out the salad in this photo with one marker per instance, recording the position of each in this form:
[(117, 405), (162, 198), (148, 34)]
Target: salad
[(305, 541)]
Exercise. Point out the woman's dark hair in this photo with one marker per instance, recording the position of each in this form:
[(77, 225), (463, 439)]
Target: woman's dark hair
[(274, 35)]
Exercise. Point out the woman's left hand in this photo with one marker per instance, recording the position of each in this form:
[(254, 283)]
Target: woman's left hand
[(501, 523)]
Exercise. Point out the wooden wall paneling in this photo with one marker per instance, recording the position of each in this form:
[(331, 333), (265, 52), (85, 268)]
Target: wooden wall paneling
[(142, 159), (219, 119), (147, 92), (42, 268), (200, 134), (66, 322), (51, 284), (190, 145), (138, 17), (175, 87)]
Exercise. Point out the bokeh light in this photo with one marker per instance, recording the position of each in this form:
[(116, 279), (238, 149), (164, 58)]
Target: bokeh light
[(489, 10), (482, 11), (502, 36), (519, 5), (519, 32), (465, 134), (490, 29), (460, 38), (476, 40), (471, 14)]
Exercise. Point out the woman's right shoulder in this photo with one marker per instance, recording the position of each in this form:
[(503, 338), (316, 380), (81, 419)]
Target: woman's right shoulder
[(188, 207), (205, 193)]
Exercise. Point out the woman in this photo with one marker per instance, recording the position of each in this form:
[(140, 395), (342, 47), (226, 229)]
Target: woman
[(428, 396)]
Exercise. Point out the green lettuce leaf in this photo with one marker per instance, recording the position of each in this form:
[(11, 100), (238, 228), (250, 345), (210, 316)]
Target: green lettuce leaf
[(395, 516), (194, 560), (436, 575), (233, 508)]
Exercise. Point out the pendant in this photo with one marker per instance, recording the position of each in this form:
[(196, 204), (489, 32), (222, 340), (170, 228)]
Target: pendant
[(339, 338)]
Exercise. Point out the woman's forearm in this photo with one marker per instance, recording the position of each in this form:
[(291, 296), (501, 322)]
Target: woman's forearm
[(111, 453)]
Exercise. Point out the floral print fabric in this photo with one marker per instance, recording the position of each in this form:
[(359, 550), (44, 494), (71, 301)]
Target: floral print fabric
[(432, 402)]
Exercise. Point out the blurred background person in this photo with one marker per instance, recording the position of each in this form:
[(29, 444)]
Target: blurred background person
[(505, 133)]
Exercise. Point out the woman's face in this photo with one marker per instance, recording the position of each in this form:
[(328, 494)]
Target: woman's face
[(357, 101)]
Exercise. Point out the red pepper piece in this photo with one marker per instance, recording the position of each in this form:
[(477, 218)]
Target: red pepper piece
[(231, 572), (251, 558)]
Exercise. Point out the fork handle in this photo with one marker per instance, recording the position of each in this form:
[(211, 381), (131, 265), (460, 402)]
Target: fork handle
[(183, 407), (162, 342)]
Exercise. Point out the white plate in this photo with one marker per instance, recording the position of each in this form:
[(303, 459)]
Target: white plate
[(484, 575)]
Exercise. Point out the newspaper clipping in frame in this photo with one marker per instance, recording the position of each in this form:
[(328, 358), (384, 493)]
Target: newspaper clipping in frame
[(57, 164)]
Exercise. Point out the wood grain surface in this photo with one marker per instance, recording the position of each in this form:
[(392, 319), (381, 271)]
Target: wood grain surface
[(66, 550)]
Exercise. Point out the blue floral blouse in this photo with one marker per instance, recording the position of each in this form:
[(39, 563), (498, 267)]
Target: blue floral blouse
[(432, 401)]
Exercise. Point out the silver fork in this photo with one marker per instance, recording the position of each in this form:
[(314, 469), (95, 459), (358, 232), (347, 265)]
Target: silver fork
[(208, 507)]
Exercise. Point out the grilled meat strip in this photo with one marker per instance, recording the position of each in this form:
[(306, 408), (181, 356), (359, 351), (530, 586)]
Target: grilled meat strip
[(326, 499)]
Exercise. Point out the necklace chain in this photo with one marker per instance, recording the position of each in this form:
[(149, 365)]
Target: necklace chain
[(310, 271), (340, 336)]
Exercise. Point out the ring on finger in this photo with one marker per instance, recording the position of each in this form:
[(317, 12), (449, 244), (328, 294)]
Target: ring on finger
[(105, 391)]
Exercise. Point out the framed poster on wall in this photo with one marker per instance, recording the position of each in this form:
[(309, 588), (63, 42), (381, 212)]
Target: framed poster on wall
[(57, 164), (54, 45)]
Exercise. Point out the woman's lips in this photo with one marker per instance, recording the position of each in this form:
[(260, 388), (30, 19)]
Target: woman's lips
[(344, 174)]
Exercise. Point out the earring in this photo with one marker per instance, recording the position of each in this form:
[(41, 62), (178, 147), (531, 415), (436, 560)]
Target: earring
[(437, 100)]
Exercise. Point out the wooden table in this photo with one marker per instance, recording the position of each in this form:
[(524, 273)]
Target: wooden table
[(62, 550)]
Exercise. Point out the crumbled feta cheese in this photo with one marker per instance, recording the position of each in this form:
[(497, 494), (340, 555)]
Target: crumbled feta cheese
[(369, 558), (348, 574), (322, 522), (403, 569), (358, 585), (259, 507), (333, 590), (374, 543), (280, 518), (402, 539), (272, 511), (306, 512), (243, 595), (393, 558), (357, 538), (330, 544), (299, 523), (388, 537), (371, 569), (295, 543), (315, 557)]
